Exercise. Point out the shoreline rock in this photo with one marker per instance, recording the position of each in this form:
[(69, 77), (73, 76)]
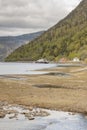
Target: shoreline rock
[(14, 110), (2, 114)]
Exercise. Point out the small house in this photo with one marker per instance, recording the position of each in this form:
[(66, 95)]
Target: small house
[(76, 59), (63, 60)]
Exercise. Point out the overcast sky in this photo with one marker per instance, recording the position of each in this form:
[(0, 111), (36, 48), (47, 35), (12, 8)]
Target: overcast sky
[(26, 16)]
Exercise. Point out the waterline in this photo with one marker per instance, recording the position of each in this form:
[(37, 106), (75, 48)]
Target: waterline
[(23, 68)]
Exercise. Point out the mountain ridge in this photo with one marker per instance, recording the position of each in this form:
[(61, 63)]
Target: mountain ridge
[(68, 38), (9, 43)]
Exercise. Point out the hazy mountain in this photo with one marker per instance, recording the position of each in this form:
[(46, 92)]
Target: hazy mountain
[(9, 43), (68, 39)]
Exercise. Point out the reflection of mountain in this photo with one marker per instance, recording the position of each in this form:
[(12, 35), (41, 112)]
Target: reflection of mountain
[(68, 39), (9, 43)]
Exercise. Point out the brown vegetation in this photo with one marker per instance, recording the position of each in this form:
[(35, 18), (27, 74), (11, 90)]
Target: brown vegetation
[(67, 93)]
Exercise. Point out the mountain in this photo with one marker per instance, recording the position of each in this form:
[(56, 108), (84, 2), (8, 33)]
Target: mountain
[(9, 43), (68, 38)]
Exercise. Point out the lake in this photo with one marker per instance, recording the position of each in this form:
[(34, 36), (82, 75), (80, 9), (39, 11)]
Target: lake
[(23, 68), (55, 121)]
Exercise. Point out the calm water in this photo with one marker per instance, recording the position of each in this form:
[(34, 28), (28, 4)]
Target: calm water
[(56, 121), (23, 68)]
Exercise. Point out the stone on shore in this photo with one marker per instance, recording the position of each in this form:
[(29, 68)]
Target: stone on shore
[(2, 114)]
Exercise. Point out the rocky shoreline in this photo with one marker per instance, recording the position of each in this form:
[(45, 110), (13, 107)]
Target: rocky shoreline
[(19, 117), (13, 110)]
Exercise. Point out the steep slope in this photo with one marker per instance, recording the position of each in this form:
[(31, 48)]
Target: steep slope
[(68, 39), (9, 43)]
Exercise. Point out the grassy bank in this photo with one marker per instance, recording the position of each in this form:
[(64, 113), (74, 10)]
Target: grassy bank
[(67, 93)]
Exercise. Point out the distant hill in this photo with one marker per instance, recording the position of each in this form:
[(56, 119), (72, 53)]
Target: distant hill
[(68, 39), (9, 43)]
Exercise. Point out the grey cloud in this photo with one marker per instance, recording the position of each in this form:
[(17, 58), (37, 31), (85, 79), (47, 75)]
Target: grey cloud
[(32, 15), (13, 3)]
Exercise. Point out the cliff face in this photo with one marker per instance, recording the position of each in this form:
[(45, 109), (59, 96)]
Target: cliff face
[(68, 39)]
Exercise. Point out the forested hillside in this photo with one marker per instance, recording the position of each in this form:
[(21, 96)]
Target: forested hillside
[(9, 43), (68, 39)]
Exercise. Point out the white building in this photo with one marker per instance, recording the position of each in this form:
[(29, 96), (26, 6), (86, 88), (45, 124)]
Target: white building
[(76, 59)]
